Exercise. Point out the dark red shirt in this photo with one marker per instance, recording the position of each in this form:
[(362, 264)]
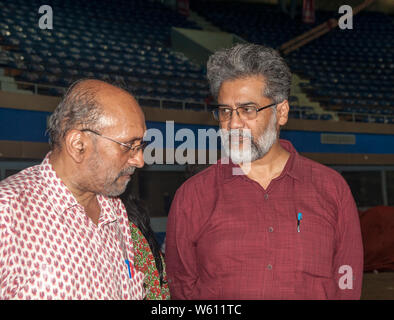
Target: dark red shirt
[(229, 238)]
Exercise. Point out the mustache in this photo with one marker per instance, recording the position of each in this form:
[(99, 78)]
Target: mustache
[(127, 171), (236, 133), (233, 136)]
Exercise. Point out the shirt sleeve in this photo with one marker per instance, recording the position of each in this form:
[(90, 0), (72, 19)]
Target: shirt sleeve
[(180, 255), (5, 242), (348, 259)]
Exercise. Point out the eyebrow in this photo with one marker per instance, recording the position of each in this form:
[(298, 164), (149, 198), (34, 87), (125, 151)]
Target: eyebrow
[(134, 139), (238, 104)]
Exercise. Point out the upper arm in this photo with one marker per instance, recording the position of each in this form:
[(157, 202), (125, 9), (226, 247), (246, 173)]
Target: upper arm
[(180, 254), (348, 260), (5, 243)]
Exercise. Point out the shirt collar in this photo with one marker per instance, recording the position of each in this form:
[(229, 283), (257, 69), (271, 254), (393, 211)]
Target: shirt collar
[(107, 214), (63, 199), (57, 192), (292, 168)]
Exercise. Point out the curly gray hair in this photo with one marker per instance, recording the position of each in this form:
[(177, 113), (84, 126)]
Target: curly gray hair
[(244, 60)]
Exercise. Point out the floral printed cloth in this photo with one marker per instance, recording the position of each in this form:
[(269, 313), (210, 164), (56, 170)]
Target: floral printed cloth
[(145, 262), (50, 248)]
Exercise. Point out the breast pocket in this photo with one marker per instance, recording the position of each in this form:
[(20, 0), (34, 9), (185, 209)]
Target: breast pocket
[(316, 247)]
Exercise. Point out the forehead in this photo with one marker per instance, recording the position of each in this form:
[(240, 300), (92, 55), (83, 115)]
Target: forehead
[(124, 118), (241, 90)]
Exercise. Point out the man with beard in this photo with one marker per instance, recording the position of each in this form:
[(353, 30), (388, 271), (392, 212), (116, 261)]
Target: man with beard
[(288, 227), (63, 232)]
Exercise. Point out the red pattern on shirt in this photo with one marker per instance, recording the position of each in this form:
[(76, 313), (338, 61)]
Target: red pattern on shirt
[(50, 249)]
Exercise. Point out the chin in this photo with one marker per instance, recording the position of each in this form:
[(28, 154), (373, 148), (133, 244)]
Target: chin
[(116, 190)]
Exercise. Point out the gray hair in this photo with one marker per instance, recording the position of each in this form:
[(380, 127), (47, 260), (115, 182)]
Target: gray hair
[(244, 60), (78, 108)]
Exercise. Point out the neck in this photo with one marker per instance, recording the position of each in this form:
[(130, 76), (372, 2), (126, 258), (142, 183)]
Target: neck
[(270, 166)]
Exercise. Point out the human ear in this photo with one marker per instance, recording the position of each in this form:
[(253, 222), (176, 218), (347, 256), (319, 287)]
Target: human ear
[(282, 112), (76, 144)]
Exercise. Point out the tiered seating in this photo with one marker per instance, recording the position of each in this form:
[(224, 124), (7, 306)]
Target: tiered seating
[(349, 70), (352, 71), (256, 22), (118, 40), (306, 112)]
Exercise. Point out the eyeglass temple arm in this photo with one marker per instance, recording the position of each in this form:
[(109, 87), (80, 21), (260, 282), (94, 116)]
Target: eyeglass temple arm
[(269, 106)]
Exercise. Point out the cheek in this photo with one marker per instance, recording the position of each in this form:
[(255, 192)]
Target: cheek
[(114, 160), (254, 126), (121, 164), (224, 125), (107, 171)]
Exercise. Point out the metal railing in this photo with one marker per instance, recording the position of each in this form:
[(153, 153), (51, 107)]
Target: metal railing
[(344, 116), (190, 104), (32, 86), (370, 117), (162, 103)]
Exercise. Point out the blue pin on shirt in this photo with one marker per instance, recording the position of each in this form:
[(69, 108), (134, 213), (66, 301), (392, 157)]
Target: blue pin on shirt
[(299, 218)]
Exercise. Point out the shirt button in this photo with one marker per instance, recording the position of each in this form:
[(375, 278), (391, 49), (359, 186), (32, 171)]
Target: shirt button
[(269, 267), (266, 196), (270, 229)]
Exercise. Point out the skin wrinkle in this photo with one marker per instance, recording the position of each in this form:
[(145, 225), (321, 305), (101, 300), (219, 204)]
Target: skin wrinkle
[(89, 164), (113, 184), (263, 129), (238, 91), (256, 148)]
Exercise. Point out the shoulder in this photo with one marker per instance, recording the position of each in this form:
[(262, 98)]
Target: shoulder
[(202, 181), (326, 180), (195, 201), (15, 194), (318, 170), (20, 185)]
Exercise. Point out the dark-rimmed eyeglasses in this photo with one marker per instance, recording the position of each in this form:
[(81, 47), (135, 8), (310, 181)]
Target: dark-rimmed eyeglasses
[(245, 112), (128, 146)]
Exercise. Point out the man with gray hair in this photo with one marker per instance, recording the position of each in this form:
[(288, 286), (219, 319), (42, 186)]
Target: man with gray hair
[(287, 228), (63, 232)]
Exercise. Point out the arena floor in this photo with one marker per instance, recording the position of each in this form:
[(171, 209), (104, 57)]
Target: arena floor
[(379, 286)]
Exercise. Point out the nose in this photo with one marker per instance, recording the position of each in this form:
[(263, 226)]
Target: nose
[(235, 121), (137, 159)]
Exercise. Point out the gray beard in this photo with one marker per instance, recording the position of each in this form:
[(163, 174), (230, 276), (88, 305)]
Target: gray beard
[(113, 190), (251, 150), (106, 182)]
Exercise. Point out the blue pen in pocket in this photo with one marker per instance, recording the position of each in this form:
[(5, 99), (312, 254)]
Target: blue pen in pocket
[(127, 261), (128, 267), (299, 218), (124, 253)]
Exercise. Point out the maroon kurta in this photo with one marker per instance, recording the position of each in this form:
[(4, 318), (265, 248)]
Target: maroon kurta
[(228, 238)]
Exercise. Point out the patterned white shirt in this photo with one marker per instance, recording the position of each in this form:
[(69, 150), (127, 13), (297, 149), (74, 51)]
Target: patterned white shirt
[(50, 248)]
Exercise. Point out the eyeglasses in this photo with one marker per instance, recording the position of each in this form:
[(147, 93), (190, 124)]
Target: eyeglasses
[(245, 112), (127, 146)]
